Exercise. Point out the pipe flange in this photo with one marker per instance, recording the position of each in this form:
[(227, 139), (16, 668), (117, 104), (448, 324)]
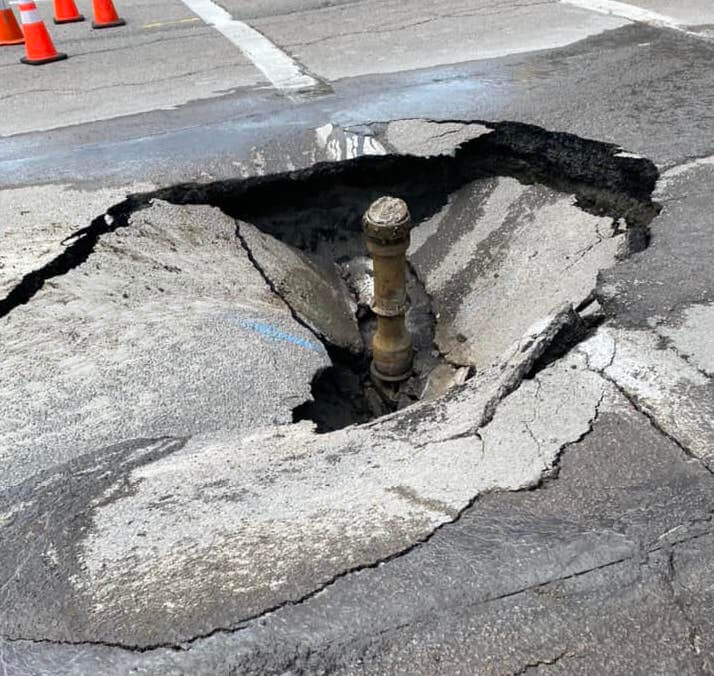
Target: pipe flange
[(386, 309), (389, 379)]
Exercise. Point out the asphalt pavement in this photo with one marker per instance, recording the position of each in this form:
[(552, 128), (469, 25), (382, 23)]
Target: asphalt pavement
[(181, 266)]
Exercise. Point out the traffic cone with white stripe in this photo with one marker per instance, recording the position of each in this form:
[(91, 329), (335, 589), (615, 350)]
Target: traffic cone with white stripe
[(105, 16), (66, 12), (10, 33), (38, 43)]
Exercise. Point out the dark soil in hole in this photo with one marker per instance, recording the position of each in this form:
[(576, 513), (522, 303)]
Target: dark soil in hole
[(342, 396)]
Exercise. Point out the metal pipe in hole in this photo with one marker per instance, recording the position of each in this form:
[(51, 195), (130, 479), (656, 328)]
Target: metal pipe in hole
[(386, 228)]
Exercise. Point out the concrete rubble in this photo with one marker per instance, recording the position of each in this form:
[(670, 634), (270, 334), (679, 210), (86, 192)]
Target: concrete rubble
[(38, 224), (426, 138), (316, 293), (507, 244)]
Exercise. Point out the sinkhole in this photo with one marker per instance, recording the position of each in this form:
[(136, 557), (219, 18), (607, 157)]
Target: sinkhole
[(507, 226)]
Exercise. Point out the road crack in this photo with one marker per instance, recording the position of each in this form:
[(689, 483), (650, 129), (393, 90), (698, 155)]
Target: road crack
[(545, 662), (275, 290), (653, 421)]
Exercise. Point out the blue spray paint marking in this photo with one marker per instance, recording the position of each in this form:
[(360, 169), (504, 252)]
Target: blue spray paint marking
[(274, 333)]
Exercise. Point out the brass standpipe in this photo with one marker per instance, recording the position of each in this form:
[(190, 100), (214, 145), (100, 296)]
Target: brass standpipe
[(386, 228)]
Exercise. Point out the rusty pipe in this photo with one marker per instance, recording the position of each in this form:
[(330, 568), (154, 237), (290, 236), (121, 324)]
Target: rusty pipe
[(386, 228)]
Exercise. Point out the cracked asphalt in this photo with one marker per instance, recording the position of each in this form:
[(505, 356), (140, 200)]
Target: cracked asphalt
[(172, 281)]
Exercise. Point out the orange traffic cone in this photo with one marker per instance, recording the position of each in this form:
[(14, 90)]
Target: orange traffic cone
[(10, 33), (66, 12), (38, 43), (105, 16)]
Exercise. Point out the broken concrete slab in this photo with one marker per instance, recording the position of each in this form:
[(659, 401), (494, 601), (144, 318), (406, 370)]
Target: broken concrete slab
[(675, 396), (182, 537), (427, 138), (501, 256), (38, 224), (583, 547), (314, 291), (441, 379), (495, 383), (150, 336)]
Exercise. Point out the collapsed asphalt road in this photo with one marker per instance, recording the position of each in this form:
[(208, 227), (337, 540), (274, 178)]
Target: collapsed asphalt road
[(297, 259), (190, 526), (161, 512)]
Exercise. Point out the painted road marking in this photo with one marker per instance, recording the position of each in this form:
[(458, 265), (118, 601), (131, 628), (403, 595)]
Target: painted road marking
[(273, 332), (170, 23), (283, 72), (633, 13)]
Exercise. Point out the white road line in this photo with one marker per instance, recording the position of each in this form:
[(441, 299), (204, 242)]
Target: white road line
[(633, 13), (282, 71)]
